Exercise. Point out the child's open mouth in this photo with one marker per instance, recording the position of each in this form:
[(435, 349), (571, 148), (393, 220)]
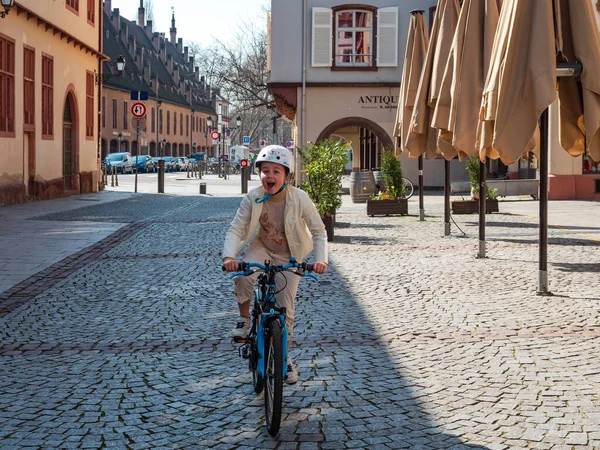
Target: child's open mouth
[(270, 184)]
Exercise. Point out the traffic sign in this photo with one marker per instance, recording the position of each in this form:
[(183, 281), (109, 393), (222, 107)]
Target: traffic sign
[(263, 142), (244, 163), (138, 110), (246, 140), (227, 133), (214, 135), (289, 144)]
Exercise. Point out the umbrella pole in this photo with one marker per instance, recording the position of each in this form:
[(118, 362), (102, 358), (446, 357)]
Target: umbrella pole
[(447, 198), (543, 250), (482, 198), (421, 202)]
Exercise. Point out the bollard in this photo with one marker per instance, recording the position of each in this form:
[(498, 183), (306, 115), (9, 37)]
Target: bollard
[(112, 176), (202, 187), (161, 176), (187, 169), (245, 180)]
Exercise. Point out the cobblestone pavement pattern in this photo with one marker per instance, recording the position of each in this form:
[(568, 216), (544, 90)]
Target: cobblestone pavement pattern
[(407, 342)]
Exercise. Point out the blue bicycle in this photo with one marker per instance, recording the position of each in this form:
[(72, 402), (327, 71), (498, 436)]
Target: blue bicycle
[(265, 346)]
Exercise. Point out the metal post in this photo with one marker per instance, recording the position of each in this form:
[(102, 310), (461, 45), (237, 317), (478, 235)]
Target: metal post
[(161, 176), (482, 199), (447, 199), (116, 177), (421, 199), (244, 175), (543, 250), (112, 176)]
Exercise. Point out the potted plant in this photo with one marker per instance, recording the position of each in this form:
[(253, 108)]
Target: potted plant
[(392, 198), (472, 206), (324, 164)]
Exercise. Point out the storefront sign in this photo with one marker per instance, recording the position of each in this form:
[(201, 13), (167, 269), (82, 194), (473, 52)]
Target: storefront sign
[(378, 101)]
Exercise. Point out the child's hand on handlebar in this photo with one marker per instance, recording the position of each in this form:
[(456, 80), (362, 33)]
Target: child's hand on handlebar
[(319, 267), (230, 265)]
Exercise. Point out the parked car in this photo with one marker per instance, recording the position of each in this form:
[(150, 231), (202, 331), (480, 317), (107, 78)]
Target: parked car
[(182, 163), (144, 164), (121, 161), (169, 162)]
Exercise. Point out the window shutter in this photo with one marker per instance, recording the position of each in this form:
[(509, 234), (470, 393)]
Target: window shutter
[(321, 37), (387, 37)]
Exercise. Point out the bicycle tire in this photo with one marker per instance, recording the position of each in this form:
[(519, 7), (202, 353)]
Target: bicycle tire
[(410, 189), (258, 382), (273, 377)]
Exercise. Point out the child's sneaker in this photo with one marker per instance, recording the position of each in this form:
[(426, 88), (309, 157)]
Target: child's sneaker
[(240, 331), (292, 373)]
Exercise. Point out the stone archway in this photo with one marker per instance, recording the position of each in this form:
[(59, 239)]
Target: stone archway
[(377, 130)]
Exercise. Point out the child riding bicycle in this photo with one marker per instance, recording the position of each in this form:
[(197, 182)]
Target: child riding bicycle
[(279, 221)]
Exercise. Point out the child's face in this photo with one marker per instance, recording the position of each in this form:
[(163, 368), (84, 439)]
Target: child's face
[(272, 176)]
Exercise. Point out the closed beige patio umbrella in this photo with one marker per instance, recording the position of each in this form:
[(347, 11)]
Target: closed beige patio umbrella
[(422, 138), (531, 39), (456, 114), (414, 59)]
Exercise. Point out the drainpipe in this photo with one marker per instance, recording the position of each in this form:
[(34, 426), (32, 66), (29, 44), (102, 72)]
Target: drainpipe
[(100, 111), (303, 101)]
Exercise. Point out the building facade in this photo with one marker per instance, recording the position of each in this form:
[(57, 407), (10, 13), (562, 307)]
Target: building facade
[(179, 101), (336, 71), (49, 54)]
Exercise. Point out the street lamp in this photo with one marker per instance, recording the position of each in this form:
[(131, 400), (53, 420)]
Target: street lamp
[(7, 4), (163, 145), (209, 125), (120, 138), (102, 77)]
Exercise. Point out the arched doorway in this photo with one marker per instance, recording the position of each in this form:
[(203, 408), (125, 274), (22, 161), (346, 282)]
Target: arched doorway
[(153, 149), (114, 146), (367, 137), (69, 145)]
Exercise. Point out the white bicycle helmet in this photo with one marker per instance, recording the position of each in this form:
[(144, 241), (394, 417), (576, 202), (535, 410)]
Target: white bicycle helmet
[(276, 154)]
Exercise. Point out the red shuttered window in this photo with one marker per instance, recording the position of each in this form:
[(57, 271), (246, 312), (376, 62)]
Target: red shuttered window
[(73, 5), (7, 86), (47, 96), (89, 104), (91, 11), (28, 86)]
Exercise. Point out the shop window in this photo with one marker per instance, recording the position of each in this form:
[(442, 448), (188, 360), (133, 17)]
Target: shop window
[(361, 37)]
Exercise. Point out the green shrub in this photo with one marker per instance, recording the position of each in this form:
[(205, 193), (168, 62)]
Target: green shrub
[(324, 164), (391, 174), (473, 170)]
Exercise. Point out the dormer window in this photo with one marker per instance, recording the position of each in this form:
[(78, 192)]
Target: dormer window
[(354, 38)]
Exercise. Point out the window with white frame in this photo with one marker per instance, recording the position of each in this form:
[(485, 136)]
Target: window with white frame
[(355, 37)]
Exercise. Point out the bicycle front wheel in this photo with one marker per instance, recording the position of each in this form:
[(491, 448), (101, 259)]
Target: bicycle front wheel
[(273, 377), (255, 359), (409, 189)]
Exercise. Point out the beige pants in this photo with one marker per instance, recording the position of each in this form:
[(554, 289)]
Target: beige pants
[(286, 282)]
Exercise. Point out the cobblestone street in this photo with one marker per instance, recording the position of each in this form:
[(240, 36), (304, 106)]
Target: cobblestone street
[(408, 341)]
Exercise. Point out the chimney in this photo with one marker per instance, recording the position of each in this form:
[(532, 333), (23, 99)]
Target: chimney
[(124, 33), (116, 19), (169, 63), (132, 45), (197, 75), (173, 30), (148, 29), (180, 45), (108, 6), (191, 63), (141, 14)]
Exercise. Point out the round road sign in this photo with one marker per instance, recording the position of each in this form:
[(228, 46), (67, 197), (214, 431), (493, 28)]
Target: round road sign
[(138, 110), (214, 135)]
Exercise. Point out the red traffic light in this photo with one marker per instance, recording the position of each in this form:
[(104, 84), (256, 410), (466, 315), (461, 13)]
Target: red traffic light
[(244, 163)]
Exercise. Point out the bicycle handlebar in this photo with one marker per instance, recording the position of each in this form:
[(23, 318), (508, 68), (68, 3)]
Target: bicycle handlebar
[(245, 267)]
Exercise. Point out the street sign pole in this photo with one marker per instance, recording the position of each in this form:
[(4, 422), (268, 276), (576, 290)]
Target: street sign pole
[(137, 153)]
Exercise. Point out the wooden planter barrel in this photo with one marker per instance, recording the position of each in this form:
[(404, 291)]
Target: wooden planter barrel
[(362, 186), (329, 222), (387, 207), (472, 206)]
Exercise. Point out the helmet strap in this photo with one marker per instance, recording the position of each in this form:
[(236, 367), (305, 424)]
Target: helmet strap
[(266, 197)]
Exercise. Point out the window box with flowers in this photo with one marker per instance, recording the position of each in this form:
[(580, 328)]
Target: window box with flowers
[(392, 200)]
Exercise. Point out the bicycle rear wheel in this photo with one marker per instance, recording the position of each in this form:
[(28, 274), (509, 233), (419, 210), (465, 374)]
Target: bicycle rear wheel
[(273, 377), (408, 187)]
